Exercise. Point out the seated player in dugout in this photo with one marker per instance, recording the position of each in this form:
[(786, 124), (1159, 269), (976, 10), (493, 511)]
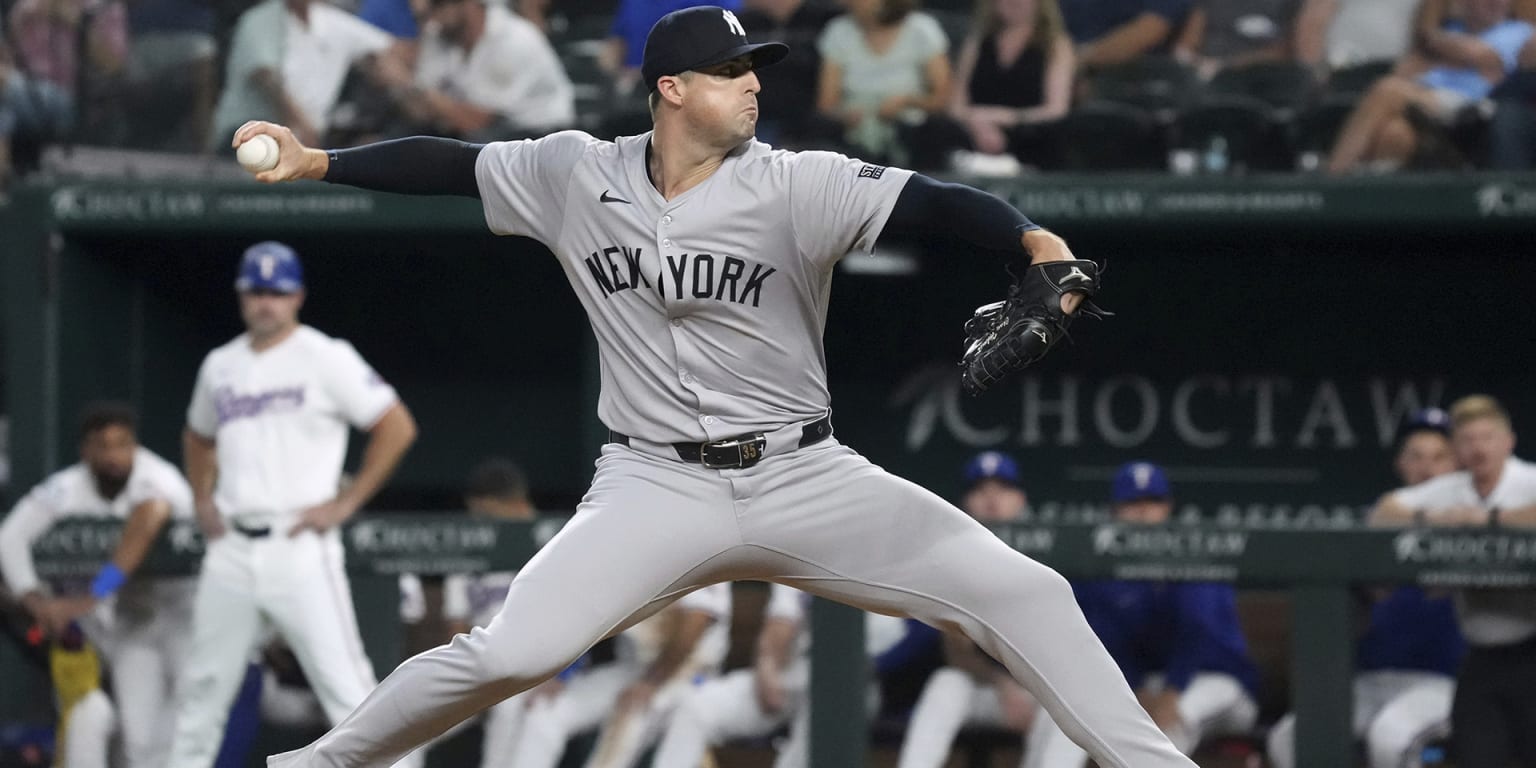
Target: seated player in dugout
[(140, 622), (1407, 658), (1179, 644), (972, 688), (704, 262)]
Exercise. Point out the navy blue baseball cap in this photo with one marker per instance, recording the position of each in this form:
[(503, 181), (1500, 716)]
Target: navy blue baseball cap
[(1427, 420), (700, 37), (270, 266), (1140, 480), (992, 465)]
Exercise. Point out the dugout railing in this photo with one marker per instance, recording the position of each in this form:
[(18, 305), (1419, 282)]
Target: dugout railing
[(1319, 568)]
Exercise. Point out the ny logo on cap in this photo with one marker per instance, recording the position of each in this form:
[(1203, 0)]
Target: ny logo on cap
[(735, 24), (268, 266)]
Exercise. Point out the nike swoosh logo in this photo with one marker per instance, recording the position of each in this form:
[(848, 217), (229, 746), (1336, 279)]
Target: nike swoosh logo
[(606, 198)]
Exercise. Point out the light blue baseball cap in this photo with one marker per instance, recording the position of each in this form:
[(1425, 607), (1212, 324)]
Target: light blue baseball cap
[(270, 266)]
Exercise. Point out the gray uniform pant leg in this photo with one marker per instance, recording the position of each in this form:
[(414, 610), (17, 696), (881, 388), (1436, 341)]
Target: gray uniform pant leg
[(847, 530), (648, 531)]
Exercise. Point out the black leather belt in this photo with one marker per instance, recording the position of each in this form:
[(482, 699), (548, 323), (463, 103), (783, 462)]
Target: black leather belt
[(253, 533), (737, 452)]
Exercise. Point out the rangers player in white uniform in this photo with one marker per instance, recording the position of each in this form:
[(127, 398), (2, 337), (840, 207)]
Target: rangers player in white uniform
[(756, 702), (704, 261), (265, 440), (659, 661), (139, 623)]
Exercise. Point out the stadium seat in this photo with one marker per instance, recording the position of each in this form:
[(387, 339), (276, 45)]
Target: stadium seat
[(1356, 79), (1108, 136), (1317, 127), (1248, 126), (1283, 85), (1155, 83)]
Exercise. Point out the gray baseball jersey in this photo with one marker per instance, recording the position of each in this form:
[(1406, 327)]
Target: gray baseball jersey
[(708, 308), (709, 311)]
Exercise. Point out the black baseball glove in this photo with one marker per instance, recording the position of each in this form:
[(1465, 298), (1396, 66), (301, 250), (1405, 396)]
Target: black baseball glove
[(1008, 335)]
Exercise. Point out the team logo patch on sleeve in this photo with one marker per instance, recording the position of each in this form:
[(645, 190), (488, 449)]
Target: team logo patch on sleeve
[(871, 171)]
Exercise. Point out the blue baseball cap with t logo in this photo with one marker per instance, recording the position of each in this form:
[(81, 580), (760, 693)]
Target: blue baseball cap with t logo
[(1140, 480), (270, 266), (992, 465)]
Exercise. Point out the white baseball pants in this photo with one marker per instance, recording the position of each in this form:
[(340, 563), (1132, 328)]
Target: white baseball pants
[(1397, 713), (1213, 705), (298, 584), (950, 699), (822, 519), (726, 709)]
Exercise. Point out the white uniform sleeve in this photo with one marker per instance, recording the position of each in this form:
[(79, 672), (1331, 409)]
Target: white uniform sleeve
[(714, 600), (28, 521), (839, 204), (1436, 493), (158, 479), (202, 416), (413, 600), (785, 603), (523, 183), (360, 393), (456, 605)]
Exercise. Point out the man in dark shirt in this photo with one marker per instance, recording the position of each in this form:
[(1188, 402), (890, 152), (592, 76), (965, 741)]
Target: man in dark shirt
[(1110, 32)]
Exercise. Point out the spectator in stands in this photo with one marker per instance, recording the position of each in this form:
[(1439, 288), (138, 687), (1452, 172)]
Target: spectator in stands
[(1233, 34), (1439, 29), (48, 35), (1014, 73), (883, 64), (1512, 134), (1179, 644), (397, 17), (1438, 83), (1494, 713), (173, 49), (1110, 32), (33, 112), (1334, 34), (972, 688), (788, 98), (483, 74), (632, 22), (1406, 661), (287, 62)]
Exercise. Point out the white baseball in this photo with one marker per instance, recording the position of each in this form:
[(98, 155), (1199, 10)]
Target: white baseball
[(258, 153)]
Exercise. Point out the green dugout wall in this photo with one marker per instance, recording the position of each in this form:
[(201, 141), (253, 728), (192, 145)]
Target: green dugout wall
[(1270, 334)]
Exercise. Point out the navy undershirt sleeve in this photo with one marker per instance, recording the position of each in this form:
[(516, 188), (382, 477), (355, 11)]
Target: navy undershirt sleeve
[(927, 206), (419, 165)]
